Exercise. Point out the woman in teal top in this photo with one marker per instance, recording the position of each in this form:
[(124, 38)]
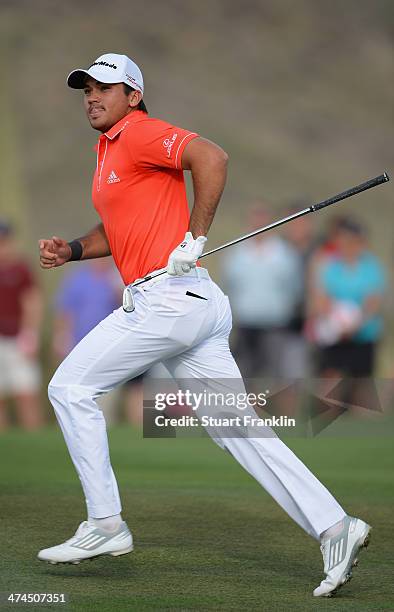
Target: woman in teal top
[(352, 276)]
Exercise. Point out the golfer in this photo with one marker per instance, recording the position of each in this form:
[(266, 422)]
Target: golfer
[(181, 318)]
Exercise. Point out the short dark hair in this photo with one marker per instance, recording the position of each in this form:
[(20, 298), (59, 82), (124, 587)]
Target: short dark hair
[(352, 226), (141, 106)]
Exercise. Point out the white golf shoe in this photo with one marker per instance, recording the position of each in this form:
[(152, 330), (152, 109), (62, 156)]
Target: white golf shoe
[(88, 542), (340, 555)]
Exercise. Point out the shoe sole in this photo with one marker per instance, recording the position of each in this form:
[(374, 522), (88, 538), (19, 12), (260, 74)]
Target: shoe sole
[(117, 553), (353, 561)]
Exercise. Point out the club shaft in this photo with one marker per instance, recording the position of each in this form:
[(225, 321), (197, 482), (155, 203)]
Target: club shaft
[(261, 230), (378, 180), (374, 182)]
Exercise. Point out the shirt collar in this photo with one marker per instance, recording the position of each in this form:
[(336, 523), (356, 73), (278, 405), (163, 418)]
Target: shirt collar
[(124, 122)]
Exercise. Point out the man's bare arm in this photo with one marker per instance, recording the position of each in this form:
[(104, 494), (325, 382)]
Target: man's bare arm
[(208, 165), (95, 243), (56, 251)]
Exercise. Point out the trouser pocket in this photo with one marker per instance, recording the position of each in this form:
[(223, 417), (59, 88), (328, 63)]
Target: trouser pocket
[(185, 309)]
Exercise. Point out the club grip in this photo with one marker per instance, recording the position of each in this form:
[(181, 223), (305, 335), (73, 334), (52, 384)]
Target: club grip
[(378, 180)]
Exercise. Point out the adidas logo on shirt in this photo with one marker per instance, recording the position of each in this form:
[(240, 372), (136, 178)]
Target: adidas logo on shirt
[(113, 178)]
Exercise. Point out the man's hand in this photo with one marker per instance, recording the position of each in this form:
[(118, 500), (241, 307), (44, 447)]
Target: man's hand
[(185, 256), (54, 252)]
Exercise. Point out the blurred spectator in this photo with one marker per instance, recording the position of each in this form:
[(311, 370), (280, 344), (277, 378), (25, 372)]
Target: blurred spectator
[(20, 320), (88, 293), (328, 242), (263, 278), (346, 320), (301, 236)]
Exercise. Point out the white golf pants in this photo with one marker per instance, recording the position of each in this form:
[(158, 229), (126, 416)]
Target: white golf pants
[(190, 336)]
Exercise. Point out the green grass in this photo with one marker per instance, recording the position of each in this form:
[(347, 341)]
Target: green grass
[(207, 537)]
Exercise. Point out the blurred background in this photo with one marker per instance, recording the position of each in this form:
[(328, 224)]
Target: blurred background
[(300, 95)]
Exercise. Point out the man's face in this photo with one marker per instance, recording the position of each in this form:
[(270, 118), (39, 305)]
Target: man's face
[(107, 104)]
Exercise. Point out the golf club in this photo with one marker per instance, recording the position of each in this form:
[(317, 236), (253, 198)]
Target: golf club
[(374, 182)]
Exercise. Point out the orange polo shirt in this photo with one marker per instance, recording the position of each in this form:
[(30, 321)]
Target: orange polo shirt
[(139, 192)]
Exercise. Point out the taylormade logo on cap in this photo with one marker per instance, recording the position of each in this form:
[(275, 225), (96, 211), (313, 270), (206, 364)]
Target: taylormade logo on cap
[(109, 68), (103, 64)]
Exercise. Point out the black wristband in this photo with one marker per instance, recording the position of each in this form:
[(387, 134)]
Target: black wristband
[(76, 250)]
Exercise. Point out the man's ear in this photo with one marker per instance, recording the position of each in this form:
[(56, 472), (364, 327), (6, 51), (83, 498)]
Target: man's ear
[(135, 98)]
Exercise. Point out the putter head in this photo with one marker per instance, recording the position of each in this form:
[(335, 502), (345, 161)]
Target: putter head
[(128, 299)]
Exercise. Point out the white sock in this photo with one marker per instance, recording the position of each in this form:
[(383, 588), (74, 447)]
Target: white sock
[(109, 523), (332, 531)]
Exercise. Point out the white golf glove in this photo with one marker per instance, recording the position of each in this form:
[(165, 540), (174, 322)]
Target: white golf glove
[(185, 256)]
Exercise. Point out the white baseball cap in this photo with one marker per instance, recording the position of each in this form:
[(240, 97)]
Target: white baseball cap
[(109, 68)]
